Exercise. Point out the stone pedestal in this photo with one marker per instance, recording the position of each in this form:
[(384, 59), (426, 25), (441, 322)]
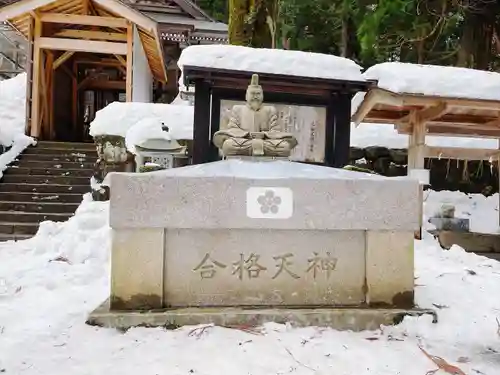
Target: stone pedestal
[(246, 235)]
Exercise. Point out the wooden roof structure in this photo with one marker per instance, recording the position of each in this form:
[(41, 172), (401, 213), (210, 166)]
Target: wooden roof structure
[(443, 116), (67, 14), (279, 83)]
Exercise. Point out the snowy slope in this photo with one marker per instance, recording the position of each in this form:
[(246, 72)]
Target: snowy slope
[(50, 283), (12, 119)]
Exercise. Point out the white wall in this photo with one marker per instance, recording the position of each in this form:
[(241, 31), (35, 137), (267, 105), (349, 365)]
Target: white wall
[(142, 79)]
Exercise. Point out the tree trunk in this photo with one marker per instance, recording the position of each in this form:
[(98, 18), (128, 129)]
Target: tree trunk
[(349, 45), (237, 29), (253, 23), (476, 41)]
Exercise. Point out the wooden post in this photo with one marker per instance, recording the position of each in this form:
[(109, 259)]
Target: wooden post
[(45, 103), (214, 124), (49, 79), (74, 93), (331, 113), (130, 50), (416, 159), (201, 124), (35, 93), (29, 74), (342, 135)]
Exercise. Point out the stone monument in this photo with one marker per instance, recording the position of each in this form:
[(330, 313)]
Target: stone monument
[(245, 242), (254, 129)]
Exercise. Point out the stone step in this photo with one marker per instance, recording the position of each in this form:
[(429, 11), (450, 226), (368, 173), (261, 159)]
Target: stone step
[(31, 217), (89, 158), (66, 145), (15, 170), (37, 179), (39, 207), (59, 151), (53, 164), (19, 228), (16, 196), (48, 189), (14, 237)]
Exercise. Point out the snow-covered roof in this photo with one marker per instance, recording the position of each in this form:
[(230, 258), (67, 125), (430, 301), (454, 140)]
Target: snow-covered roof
[(117, 118), (271, 61), (433, 80)]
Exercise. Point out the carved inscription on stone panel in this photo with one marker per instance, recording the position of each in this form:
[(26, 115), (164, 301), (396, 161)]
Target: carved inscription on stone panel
[(306, 123), (248, 266), (240, 267)]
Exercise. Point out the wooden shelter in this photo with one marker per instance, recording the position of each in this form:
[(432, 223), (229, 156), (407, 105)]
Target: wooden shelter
[(422, 115), (213, 86), (79, 46)]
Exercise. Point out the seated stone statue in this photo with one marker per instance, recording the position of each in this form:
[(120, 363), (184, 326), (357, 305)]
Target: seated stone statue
[(253, 128)]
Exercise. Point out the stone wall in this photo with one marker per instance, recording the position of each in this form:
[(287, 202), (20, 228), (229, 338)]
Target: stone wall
[(471, 176)]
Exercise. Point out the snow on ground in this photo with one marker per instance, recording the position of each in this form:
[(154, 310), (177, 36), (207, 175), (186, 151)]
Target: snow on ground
[(50, 283), (271, 61), (436, 80), (117, 118), (13, 113)]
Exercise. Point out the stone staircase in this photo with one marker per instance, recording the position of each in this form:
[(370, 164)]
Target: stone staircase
[(45, 183)]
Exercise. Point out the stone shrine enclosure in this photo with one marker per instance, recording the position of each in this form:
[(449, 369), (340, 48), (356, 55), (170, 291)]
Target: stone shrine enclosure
[(237, 241)]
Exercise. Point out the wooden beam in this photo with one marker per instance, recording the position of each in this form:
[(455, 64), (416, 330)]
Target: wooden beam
[(131, 14), (105, 85), (460, 153), (21, 7), (62, 59), (78, 19), (429, 113), (450, 131), (121, 60), (35, 92), (455, 119), (86, 7), (93, 46), (88, 34), (366, 105), (371, 99), (130, 50), (493, 123), (426, 101), (102, 62)]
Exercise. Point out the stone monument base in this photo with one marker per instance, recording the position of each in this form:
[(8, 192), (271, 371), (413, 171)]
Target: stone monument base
[(348, 318)]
